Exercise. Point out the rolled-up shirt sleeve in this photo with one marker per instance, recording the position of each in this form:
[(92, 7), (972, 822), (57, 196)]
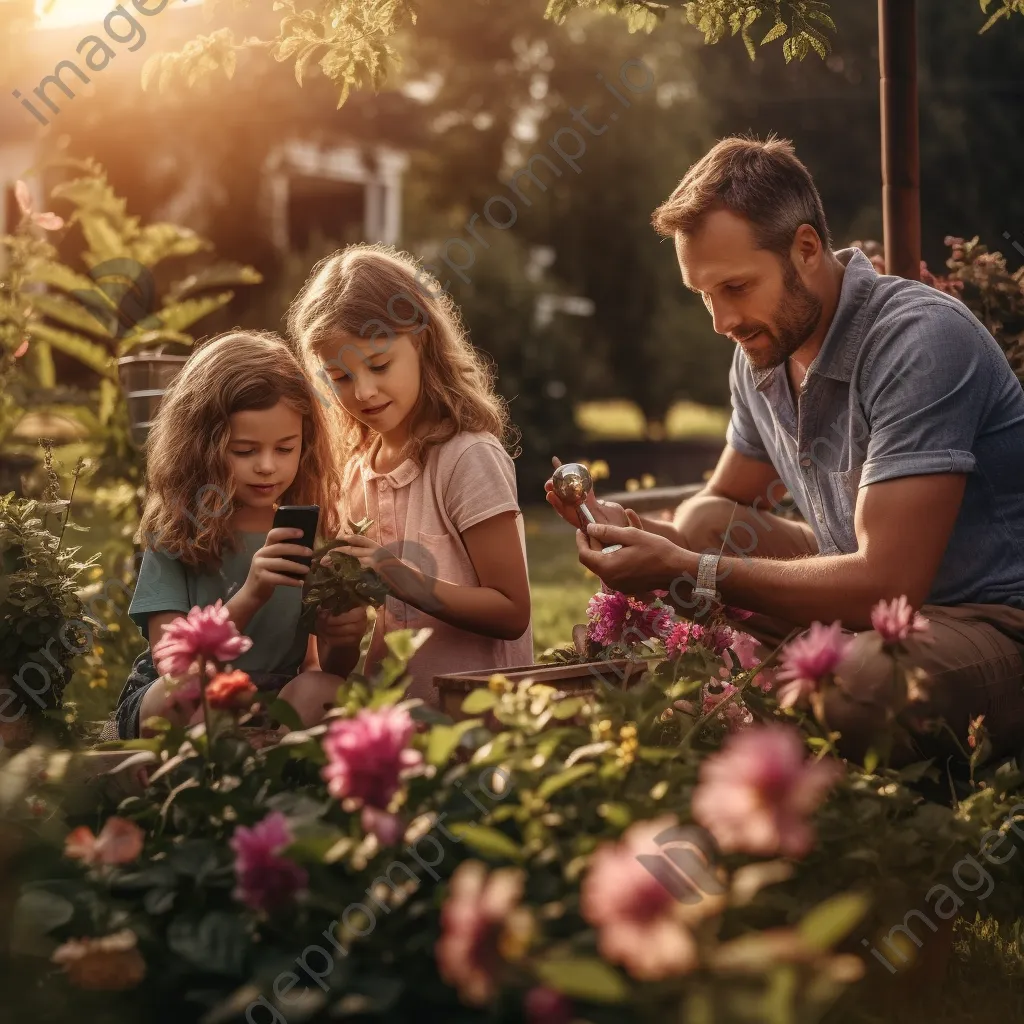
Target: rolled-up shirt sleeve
[(742, 433), (928, 390)]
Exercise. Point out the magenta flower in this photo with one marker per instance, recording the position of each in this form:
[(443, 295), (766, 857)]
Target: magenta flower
[(640, 924), (203, 633), (544, 1005), (616, 618), (482, 923), (367, 755), (808, 659), (266, 880), (756, 794), (895, 620)]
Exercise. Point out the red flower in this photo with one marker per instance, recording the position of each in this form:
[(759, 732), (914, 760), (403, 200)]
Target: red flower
[(230, 691), (119, 842)]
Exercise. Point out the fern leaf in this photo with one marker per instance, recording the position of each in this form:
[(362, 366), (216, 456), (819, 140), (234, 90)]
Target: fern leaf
[(88, 353)]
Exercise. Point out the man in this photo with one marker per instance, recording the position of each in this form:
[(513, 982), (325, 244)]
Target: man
[(890, 415)]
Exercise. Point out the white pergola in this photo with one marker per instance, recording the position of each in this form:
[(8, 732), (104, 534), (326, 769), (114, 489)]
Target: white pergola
[(378, 169)]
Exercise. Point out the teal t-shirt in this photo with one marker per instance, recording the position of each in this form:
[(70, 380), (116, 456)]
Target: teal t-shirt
[(166, 585)]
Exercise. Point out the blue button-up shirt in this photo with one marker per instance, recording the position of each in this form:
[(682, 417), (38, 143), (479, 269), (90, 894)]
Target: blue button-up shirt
[(907, 382)]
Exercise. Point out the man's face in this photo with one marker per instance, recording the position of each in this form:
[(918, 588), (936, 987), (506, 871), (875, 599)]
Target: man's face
[(755, 298)]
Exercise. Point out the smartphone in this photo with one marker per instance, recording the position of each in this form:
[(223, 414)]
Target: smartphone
[(299, 517)]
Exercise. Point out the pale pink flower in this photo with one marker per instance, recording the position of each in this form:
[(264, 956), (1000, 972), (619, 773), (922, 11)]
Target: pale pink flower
[(749, 653), (808, 659), (482, 923), (266, 880), (47, 221), (21, 349), (367, 755), (895, 620), (203, 633), (108, 964), (640, 923), (119, 842), (757, 793)]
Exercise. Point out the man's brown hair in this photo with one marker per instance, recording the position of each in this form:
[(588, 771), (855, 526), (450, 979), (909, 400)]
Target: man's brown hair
[(763, 182)]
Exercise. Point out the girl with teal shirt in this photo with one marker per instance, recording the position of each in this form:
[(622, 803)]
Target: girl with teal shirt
[(239, 432)]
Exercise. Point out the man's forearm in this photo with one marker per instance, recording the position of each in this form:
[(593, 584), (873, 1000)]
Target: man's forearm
[(801, 590)]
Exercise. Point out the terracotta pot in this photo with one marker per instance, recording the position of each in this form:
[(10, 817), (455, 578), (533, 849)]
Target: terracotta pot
[(572, 680)]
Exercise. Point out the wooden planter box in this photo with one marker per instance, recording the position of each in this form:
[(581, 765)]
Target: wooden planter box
[(571, 680)]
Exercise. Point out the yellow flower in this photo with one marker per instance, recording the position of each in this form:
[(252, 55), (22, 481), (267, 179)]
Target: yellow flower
[(498, 684), (647, 481), (632, 484), (599, 470)]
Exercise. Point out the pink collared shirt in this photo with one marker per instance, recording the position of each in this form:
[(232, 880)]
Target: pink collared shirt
[(419, 513)]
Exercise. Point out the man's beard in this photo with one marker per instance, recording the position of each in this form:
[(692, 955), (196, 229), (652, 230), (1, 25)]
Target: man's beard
[(796, 318)]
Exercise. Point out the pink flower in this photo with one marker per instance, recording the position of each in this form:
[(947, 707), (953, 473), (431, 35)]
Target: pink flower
[(895, 620), (735, 715), (808, 659), (184, 695), (641, 924), (749, 653), (618, 618), (681, 635), (388, 828), (482, 923), (47, 221), (119, 842), (718, 639), (203, 633), (544, 1005), (21, 349), (756, 794), (266, 880), (367, 755), (736, 614)]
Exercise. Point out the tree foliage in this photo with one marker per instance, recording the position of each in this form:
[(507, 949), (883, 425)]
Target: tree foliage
[(352, 41)]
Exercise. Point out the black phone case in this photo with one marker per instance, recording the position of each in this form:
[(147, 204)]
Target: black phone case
[(299, 517)]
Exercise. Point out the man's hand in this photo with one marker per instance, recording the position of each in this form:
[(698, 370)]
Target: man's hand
[(603, 511), (344, 630), (646, 561)]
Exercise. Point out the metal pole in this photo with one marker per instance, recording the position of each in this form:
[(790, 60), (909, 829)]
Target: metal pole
[(901, 161)]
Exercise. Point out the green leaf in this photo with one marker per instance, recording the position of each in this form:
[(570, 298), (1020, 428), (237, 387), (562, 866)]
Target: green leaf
[(833, 920), (583, 978), (562, 709), (656, 754), (479, 700), (281, 711), (216, 943), (445, 738), (37, 913), (553, 783), (89, 353), (182, 315), (488, 842)]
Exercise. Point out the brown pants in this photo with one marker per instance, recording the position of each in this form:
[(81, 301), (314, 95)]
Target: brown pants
[(974, 660)]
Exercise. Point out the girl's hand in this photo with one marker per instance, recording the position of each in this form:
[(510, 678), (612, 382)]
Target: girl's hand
[(271, 564), (407, 582), (344, 630)]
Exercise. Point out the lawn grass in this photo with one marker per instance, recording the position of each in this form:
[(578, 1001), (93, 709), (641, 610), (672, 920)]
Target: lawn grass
[(622, 420)]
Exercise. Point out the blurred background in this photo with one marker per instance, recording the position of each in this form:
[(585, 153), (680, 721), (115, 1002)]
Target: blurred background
[(598, 348)]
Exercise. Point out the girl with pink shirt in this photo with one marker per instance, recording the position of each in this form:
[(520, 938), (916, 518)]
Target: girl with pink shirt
[(422, 436)]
